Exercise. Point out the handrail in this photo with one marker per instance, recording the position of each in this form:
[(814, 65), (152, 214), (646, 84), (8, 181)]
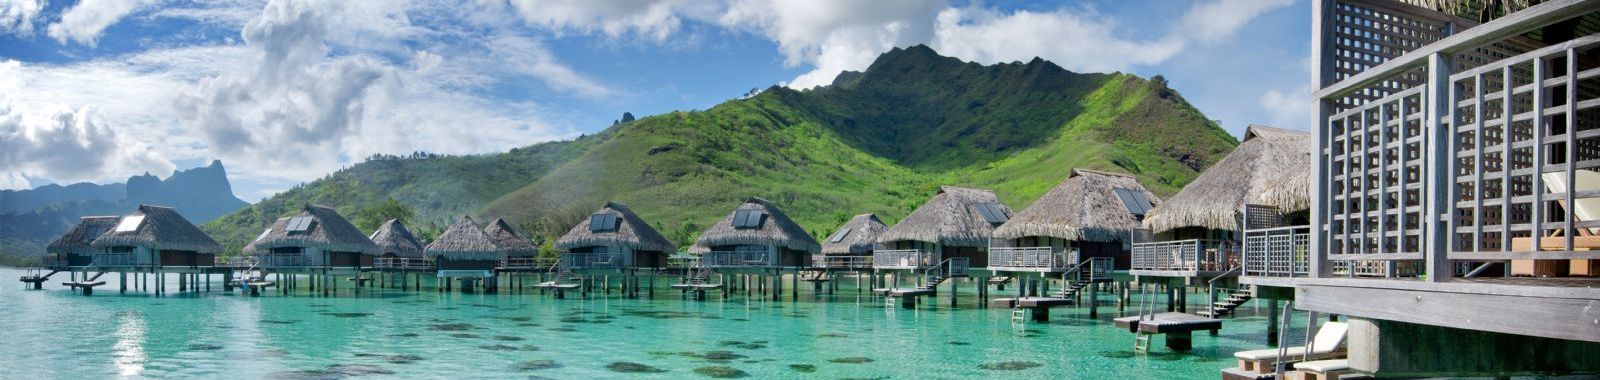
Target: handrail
[(1211, 290)]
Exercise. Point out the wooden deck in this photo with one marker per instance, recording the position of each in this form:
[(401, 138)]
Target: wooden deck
[(1031, 302), (1560, 308), (1169, 322), (697, 286)]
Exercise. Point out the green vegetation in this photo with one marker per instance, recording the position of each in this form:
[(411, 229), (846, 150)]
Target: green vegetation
[(879, 141)]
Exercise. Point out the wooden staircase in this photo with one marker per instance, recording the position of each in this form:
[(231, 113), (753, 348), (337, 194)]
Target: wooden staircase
[(1071, 291), (1225, 307), (697, 277), (933, 282)]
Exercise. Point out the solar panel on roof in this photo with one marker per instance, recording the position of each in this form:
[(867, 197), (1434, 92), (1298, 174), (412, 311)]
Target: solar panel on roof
[(1144, 201), (838, 236), (1134, 201), (130, 223), (748, 218), (299, 224), (603, 222), (263, 234), (992, 213)]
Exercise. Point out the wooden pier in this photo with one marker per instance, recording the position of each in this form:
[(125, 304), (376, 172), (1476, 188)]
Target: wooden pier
[(1178, 327)]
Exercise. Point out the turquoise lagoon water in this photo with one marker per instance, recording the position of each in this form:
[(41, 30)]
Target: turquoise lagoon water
[(380, 333)]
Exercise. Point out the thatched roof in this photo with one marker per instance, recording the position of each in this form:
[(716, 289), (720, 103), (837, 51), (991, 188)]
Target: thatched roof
[(631, 231), (326, 230), (1264, 162), (393, 237), (464, 240), (76, 240), (951, 218), (161, 228), (1083, 207), (859, 235), (511, 243), (777, 230)]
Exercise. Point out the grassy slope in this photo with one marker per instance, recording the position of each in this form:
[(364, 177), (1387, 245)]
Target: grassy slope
[(436, 187), (823, 155)]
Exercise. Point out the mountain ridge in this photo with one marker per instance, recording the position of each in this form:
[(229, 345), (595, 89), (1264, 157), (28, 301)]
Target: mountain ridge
[(878, 141)]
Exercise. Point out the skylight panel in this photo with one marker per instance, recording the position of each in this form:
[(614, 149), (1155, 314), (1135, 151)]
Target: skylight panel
[(130, 223)]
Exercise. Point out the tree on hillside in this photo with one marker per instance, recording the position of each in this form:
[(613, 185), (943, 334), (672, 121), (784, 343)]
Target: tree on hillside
[(368, 219)]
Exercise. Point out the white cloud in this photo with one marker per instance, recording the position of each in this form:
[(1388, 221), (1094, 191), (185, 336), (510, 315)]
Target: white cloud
[(833, 35), (655, 19), (17, 16), (1218, 20), (1291, 109), (1077, 39), (84, 22), (67, 145)]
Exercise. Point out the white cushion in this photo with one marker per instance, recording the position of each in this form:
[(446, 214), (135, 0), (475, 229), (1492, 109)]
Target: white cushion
[(1271, 353), (1324, 366)]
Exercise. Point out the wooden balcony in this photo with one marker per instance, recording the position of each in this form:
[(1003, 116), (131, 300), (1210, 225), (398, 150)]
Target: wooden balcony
[(1185, 258), (1031, 259), (904, 259)]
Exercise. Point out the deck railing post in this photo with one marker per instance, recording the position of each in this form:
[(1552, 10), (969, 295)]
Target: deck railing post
[(1438, 93)]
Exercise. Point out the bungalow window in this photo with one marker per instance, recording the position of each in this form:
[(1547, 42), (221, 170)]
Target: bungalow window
[(122, 249), (839, 236), (299, 224), (1135, 201)]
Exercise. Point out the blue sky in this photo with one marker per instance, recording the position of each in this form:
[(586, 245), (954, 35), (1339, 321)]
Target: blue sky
[(286, 92)]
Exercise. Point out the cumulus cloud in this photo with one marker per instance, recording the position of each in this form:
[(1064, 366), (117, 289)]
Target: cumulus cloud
[(1288, 109), (67, 145), (1077, 39), (1218, 20), (655, 19), (833, 35), (17, 16), (84, 22)]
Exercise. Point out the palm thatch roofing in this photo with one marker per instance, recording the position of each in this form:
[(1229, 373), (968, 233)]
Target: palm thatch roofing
[(951, 218), (777, 230), (393, 237), (326, 231), (631, 231), (511, 243), (858, 236), (463, 241), (1265, 162), (76, 240), (158, 228), (1084, 207)]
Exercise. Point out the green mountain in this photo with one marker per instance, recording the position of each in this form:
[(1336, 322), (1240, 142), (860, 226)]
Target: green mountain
[(877, 141)]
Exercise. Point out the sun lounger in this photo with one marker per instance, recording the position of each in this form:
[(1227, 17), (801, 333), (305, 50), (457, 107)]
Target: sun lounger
[(1327, 344), (1585, 239), (1320, 369)]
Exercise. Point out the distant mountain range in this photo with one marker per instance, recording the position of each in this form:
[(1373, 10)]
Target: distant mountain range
[(878, 141), (30, 219)]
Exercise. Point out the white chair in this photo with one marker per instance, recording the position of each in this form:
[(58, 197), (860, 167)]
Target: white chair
[(1327, 344)]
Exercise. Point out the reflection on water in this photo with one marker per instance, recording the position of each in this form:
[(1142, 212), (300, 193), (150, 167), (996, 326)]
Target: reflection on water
[(129, 356), (383, 333)]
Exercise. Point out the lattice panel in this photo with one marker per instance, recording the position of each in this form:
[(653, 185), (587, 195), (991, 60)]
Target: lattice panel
[(1367, 34), (1511, 164), (1376, 164)]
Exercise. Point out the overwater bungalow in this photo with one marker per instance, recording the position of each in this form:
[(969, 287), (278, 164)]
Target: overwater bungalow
[(1453, 174), (851, 246), (1196, 234), (464, 252), (951, 231), (516, 251), (613, 239), (1088, 219), (756, 235), (153, 241), (316, 240), (72, 248), (396, 245)]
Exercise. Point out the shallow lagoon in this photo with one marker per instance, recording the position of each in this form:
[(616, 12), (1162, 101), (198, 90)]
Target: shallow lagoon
[(383, 333)]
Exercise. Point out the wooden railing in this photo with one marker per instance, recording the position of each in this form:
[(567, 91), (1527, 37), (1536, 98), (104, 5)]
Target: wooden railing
[(1277, 252), (114, 260), (1030, 258), (838, 261), (592, 260), (1194, 255), (904, 259), (715, 259), (282, 260), (523, 263), (402, 263)]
